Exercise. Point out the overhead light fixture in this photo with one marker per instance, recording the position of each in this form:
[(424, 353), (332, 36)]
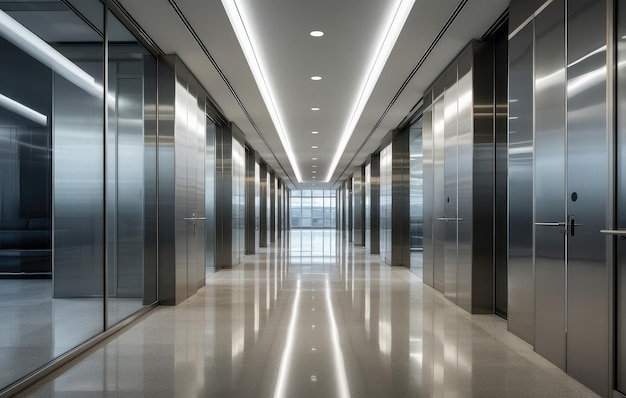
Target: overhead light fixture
[(317, 33), (314, 147), (314, 165), (316, 78), (313, 176), (315, 132), (314, 172), (315, 109), (22, 110), (379, 59), (31, 44), (236, 17), (313, 158)]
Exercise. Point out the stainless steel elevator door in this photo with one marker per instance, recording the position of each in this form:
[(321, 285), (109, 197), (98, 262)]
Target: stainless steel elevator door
[(439, 227), (550, 180), (587, 184), (451, 171)]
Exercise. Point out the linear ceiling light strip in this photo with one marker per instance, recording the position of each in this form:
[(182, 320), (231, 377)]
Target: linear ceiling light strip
[(245, 41), (421, 62), (23, 110), (395, 26), (219, 71)]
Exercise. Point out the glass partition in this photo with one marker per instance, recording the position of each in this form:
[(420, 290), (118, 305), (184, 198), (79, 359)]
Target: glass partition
[(69, 195)]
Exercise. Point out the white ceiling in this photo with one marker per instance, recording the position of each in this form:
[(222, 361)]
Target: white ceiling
[(281, 32)]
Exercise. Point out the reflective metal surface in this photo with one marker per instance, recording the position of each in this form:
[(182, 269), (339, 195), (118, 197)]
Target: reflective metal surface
[(375, 208), (263, 204), (385, 203), (358, 206), (550, 179), (620, 271), (210, 196), (501, 75), (451, 180), (428, 192), (587, 187), (346, 327), (439, 228), (521, 146), (400, 197)]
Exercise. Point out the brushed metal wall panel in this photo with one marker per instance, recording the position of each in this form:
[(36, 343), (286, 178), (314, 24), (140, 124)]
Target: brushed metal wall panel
[(263, 204), (521, 155), (375, 207), (451, 174), (620, 299), (587, 190), (429, 206), (400, 197), (466, 177), (550, 179), (209, 196), (439, 227)]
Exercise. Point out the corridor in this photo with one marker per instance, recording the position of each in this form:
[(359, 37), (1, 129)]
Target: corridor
[(294, 322)]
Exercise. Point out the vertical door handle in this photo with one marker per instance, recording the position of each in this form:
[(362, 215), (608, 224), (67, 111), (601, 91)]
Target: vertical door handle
[(573, 225)]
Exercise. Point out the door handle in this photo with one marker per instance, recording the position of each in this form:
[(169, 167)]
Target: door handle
[(195, 218), (446, 219), (550, 224), (572, 226), (615, 232)]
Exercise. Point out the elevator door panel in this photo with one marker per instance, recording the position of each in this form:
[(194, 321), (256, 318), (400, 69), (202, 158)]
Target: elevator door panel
[(520, 184), (451, 192), (466, 177), (550, 184), (439, 227), (587, 283)]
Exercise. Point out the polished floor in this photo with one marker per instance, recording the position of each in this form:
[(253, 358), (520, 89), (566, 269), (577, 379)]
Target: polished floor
[(36, 328), (287, 323)]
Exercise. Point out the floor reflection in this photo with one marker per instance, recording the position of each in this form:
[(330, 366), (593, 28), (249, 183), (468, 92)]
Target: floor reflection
[(289, 323)]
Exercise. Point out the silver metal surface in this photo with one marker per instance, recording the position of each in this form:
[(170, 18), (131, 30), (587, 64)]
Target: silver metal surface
[(428, 192), (451, 193), (385, 203), (550, 180), (400, 199), (613, 232), (375, 205), (468, 175), (209, 197), (520, 212), (587, 190), (263, 206), (619, 299), (439, 231)]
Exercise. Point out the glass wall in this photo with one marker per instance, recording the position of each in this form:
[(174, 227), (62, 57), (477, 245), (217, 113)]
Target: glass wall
[(417, 194), (313, 226), (313, 209), (75, 189)]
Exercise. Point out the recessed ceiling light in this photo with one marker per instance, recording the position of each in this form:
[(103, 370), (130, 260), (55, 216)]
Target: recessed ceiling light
[(314, 147), (314, 165), (316, 78), (315, 108), (317, 33), (313, 176), (314, 172), (315, 132), (313, 158)]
